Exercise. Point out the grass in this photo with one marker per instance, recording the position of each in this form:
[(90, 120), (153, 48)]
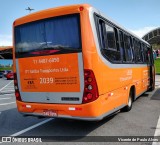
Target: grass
[(5, 68), (157, 65)]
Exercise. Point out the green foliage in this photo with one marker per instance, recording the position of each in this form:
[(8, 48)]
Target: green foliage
[(5, 68), (157, 65), (155, 46)]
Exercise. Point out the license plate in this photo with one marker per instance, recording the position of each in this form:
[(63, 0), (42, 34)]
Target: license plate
[(50, 113)]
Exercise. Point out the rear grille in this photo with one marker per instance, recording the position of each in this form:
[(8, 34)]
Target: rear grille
[(70, 99)]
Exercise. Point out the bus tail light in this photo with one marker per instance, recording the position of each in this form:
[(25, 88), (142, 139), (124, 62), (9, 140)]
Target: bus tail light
[(17, 94), (90, 87), (81, 8)]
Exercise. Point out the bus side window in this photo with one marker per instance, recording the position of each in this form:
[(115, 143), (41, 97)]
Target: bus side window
[(122, 45), (109, 42), (101, 34), (150, 55), (137, 51), (132, 49), (128, 48), (143, 52), (146, 54)]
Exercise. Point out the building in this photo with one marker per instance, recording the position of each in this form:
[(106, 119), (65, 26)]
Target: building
[(6, 52), (153, 38)]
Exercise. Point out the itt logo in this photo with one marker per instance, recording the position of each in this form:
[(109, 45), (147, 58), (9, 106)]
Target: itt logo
[(30, 82)]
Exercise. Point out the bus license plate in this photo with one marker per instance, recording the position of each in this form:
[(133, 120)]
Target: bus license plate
[(50, 113)]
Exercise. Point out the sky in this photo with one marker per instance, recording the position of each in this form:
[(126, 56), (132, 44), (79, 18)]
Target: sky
[(6, 62), (139, 16)]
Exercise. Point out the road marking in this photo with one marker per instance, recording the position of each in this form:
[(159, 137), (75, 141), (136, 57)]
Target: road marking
[(7, 103), (7, 90), (6, 85), (5, 98), (157, 132), (7, 94), (32, 127), (157, 86), (11, 88)]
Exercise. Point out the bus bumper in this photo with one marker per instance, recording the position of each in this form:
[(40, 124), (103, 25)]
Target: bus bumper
[(93, 111), (89, 111)]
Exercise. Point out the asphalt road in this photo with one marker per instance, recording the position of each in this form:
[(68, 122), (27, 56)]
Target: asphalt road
[(142, 120)]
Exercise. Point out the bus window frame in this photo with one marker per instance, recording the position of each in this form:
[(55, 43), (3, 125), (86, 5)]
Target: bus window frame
[(136, 42), (97, 19), (124, 47), (119, 30), (50, 18)]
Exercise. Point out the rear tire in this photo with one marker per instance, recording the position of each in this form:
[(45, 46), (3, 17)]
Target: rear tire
[(152, 87), (130, 102)]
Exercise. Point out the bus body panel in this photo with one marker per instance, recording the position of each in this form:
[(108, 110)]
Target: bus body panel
[(57, 78), (114, 81), (47, 81), (72, 111)]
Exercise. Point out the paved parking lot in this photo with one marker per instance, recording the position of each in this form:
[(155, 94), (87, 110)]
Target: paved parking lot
[(142, 120), (157, 83), (6, 86)]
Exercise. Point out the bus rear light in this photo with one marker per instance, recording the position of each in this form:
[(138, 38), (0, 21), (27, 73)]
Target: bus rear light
[(28, 106), (81, 8), (74, 109), (85, 99), (15, 79), (86, 73), (90, 87), (89, 79), (89, 96), (110, 94), (24, 106), (17, 93), (15, 82), (16, 87)]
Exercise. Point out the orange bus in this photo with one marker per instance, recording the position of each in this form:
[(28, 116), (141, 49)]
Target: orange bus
[(73, 62)]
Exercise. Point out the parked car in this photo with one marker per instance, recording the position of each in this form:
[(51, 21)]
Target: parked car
[(9, 75), (1, 74), (6, 72)]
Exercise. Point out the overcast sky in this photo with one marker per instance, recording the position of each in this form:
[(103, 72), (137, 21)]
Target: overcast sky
[(139, 16)]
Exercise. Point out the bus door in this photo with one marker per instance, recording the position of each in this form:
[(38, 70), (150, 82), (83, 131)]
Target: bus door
[(151, 68)]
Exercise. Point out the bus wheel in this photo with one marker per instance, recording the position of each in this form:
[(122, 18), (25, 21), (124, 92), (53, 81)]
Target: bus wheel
[(152, 87), (130, 102)]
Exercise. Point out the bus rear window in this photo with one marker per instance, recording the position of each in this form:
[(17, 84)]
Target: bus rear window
[(56, 35)]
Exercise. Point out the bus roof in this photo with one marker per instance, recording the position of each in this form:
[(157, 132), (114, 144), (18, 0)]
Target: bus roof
[(68, 10), (50, 13)]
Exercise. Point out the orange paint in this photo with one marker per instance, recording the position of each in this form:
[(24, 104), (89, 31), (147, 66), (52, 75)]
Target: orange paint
[(50, 73), (113, 84)]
